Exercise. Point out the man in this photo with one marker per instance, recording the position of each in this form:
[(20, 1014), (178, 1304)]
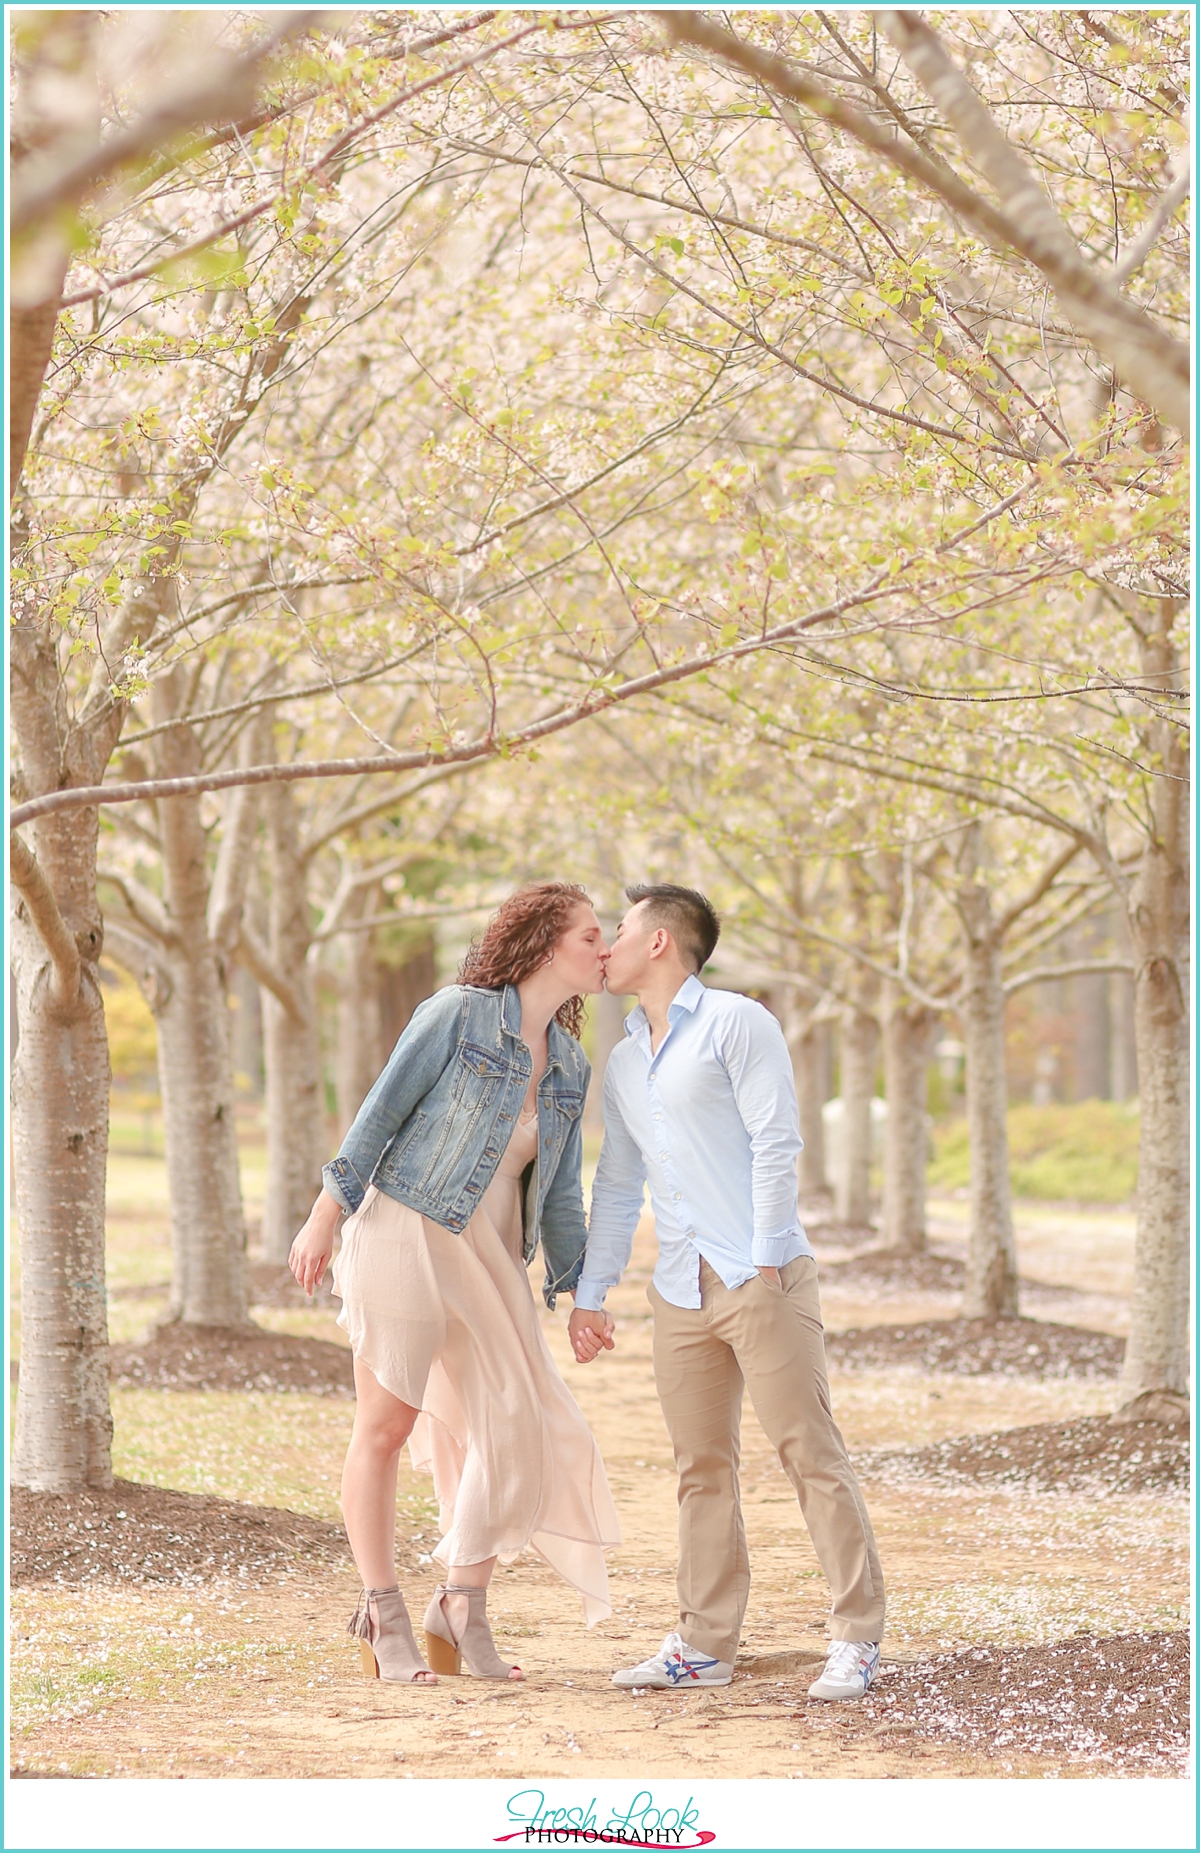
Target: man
[(699, 1103)]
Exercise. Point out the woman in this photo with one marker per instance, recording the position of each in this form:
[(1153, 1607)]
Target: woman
[(468, 1146)]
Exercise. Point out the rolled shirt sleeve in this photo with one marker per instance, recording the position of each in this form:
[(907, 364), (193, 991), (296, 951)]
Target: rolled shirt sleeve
[(756, 1059)]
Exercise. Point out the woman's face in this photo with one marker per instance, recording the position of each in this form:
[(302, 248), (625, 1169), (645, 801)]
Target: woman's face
[(581, 955)]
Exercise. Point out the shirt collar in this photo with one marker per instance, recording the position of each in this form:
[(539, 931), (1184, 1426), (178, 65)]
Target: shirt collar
[(686, 998)]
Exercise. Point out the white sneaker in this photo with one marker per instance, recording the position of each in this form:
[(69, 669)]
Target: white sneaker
[(676, 1664), (849, 1669)]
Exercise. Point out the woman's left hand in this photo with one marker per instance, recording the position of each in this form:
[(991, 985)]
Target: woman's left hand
[(312, 1249), (589, 1332)]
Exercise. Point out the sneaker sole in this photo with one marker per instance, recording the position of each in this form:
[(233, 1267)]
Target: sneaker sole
[(658, 1684)]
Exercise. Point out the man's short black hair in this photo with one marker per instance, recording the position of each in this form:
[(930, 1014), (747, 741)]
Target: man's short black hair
[(686, 913)]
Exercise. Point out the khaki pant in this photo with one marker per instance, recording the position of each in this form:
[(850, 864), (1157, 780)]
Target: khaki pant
[(770, 1339)]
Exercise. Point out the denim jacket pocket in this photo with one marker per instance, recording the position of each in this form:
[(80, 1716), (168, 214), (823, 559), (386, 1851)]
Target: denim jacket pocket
[(486, 1063)]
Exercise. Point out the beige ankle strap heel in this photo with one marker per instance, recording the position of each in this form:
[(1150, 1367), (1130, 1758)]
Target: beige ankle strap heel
[(474, 1644), (389, 1648)]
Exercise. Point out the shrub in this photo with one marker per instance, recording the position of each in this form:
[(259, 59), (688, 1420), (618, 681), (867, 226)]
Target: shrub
[(132, 1032), (1086, 1152)]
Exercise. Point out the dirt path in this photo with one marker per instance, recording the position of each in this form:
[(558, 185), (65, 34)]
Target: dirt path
[(251, 1674)]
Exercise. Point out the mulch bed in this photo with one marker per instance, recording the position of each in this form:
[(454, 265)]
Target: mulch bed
[(146, 1534), (1089, 1454), (1120, 1701), (203, 1357), (272, 1283), (979, 1348), (222, 1357), (896, 1272), (834, 1234)]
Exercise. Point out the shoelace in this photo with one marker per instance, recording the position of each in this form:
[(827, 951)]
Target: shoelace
[(844, 1659)]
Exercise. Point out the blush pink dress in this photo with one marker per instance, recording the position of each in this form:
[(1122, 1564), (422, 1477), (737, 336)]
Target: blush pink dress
[(448, 1324)]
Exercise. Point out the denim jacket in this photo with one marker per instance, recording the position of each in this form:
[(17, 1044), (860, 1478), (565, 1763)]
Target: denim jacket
[(434, 1127)]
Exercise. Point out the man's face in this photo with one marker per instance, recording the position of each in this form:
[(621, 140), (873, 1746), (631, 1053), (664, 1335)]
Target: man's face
[(629, 960)]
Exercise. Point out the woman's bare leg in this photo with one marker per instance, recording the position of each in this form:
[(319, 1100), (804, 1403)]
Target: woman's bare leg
[(475, 1576), (382, 1425)]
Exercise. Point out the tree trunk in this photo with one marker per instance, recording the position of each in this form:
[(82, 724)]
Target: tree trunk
[(1093, 1037), (808, 1045), (810, 1067), (60, 1083), (991, 1289), (245, 1036), (609, 1015), (296, 1128), (907, 1033), (860, 1036), (1154, 1381), (208, 1227), (405, 985), (61, 1073), (1122, 1046), (31, 340), (360, 1050)]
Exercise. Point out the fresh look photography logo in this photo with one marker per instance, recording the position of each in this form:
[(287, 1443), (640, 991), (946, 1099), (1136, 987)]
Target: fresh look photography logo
[(644, 1823)]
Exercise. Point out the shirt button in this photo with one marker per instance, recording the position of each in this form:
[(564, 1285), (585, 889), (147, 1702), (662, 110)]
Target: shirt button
[(678, 1196)]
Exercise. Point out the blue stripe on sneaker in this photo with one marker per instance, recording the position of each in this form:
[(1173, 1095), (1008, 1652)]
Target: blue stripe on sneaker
[(676, 1670)]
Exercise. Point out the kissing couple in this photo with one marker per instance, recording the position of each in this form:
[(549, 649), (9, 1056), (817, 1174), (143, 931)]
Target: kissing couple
[(467, 1153)]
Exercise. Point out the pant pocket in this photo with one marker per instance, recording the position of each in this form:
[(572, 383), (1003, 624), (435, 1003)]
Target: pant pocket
[(799, 1274), (776, 1287)]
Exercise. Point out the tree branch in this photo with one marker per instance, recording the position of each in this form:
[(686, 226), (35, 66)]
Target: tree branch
[(883, 584), (140, 959), (145, 908), (1159, 219), (37, 896), (1043, 974), (1041, 886), (335, 150), (227, 896), (41, 186), (252, 953), (372, 807), (1154, 363), (749, 331)]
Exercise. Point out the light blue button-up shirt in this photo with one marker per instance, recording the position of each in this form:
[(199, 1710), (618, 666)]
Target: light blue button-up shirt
[(710, 1123)]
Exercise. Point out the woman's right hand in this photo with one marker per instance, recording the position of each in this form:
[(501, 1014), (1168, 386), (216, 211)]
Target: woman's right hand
[(312, 1249)]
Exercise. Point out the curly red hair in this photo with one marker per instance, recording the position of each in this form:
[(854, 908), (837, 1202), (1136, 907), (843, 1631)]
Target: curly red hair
[(518, 936)]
